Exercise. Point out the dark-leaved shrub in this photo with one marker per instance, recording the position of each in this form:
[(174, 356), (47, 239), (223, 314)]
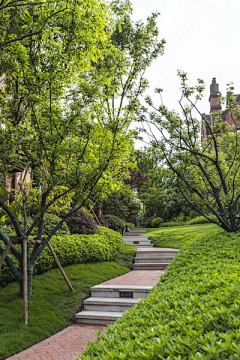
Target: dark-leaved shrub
[(114, 222), (81, 223)]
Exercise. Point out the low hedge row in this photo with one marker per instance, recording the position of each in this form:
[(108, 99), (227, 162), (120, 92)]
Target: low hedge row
[(193, 313), (73, 249)]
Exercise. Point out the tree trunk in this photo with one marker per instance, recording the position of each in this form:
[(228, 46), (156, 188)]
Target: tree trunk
[(29, 281)]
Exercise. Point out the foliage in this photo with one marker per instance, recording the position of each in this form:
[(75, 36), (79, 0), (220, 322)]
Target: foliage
[(172, 223), (126, 255), (114, 222), (73, 249), (156, 222), (130, 225), (148, 221), (49, 223), (123, 204), (200, 220), (102, 221), (160, 195), (177, 236), (207, 174), (136, 180), (81, 223), (193, 312), (52, 306)]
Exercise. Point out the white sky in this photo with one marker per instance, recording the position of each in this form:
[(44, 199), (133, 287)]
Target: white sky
[(202, 39)]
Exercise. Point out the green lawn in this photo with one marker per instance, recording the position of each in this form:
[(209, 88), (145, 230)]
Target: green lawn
[(53, 305), (177, 236)]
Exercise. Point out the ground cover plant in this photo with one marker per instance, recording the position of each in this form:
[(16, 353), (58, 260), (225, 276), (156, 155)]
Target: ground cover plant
[(177, 236), (52, 306), (73, 249), (193, 312)]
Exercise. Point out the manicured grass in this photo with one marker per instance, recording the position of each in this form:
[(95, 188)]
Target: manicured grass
[(126, 255), (177, 236), (192, 314), (52, 306)]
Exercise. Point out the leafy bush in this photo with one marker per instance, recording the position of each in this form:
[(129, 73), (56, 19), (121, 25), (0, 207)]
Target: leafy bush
[(126, 255), (50, 220), (172, 223), (81, 223), (114, 222), (73, 249), (200, 220), (130, 225), (157, 222), (193, 313), (102, 221), (148, 221)]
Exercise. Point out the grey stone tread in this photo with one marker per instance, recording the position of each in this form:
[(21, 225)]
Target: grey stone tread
[(123, 287), (108, 315), (110, 301)]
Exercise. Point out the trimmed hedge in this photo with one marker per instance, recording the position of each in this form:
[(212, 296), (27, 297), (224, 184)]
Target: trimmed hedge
[(193, 313), (73, 249), (200, 220), (130, 225)]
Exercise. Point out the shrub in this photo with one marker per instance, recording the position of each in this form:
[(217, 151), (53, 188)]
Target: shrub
[(81, 223), (102, 221), (73, 249), (200, 220), (130, 225), (193, 313), (50, 220), (172, 223), (115, 223), (157, 222), (148, 221)]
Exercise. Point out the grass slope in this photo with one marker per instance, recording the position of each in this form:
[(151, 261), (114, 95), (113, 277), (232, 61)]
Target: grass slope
[(177, 236), (52, 306), (192, 314)]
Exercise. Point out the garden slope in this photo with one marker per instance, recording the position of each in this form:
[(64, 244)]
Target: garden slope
[(193, 313)]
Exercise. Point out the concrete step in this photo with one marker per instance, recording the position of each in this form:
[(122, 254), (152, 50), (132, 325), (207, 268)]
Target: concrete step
[(109, 304), (155, 254), (152, 260), (120, 291), (150, 266), (133, 232), (135, 242), (97, 317), (136, 238)]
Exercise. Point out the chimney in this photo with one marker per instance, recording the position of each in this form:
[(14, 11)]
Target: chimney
[(213, 98)]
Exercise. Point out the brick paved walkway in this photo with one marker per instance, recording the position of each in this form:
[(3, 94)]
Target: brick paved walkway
[(69, 342)]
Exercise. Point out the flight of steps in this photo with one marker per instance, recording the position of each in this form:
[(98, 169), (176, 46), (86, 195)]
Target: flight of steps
[(132, 237), (108, 302), (153, 260)]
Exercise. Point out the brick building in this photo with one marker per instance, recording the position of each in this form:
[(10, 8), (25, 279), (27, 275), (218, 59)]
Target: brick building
[(214, 107)]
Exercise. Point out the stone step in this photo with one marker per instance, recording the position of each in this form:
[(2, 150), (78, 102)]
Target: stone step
[(137, 238), (139, 243), (120, 291), (152, 260), (155, 254), (133, 233), (149, 266), (97, 317), (109, 304)]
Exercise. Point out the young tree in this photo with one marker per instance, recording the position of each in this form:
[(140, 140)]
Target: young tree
[(47, 125), (209, 173)]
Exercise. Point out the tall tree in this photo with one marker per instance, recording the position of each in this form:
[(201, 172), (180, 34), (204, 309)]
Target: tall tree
[(208, 174)]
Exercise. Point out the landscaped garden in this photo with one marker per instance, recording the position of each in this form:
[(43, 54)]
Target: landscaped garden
[(193, 313)]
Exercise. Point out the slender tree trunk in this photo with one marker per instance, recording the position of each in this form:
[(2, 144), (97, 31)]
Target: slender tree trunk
[(29, 282)]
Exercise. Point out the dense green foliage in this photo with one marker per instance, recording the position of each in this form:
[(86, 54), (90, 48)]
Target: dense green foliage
[(114, 222), (156, 222), (193, 313), (52, 306), (126, 255), (130, 225), (177, 236), (200, 220), (74, 249)]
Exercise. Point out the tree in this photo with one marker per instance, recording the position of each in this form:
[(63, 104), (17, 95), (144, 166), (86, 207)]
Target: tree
[(208, 174), (47, 126)]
